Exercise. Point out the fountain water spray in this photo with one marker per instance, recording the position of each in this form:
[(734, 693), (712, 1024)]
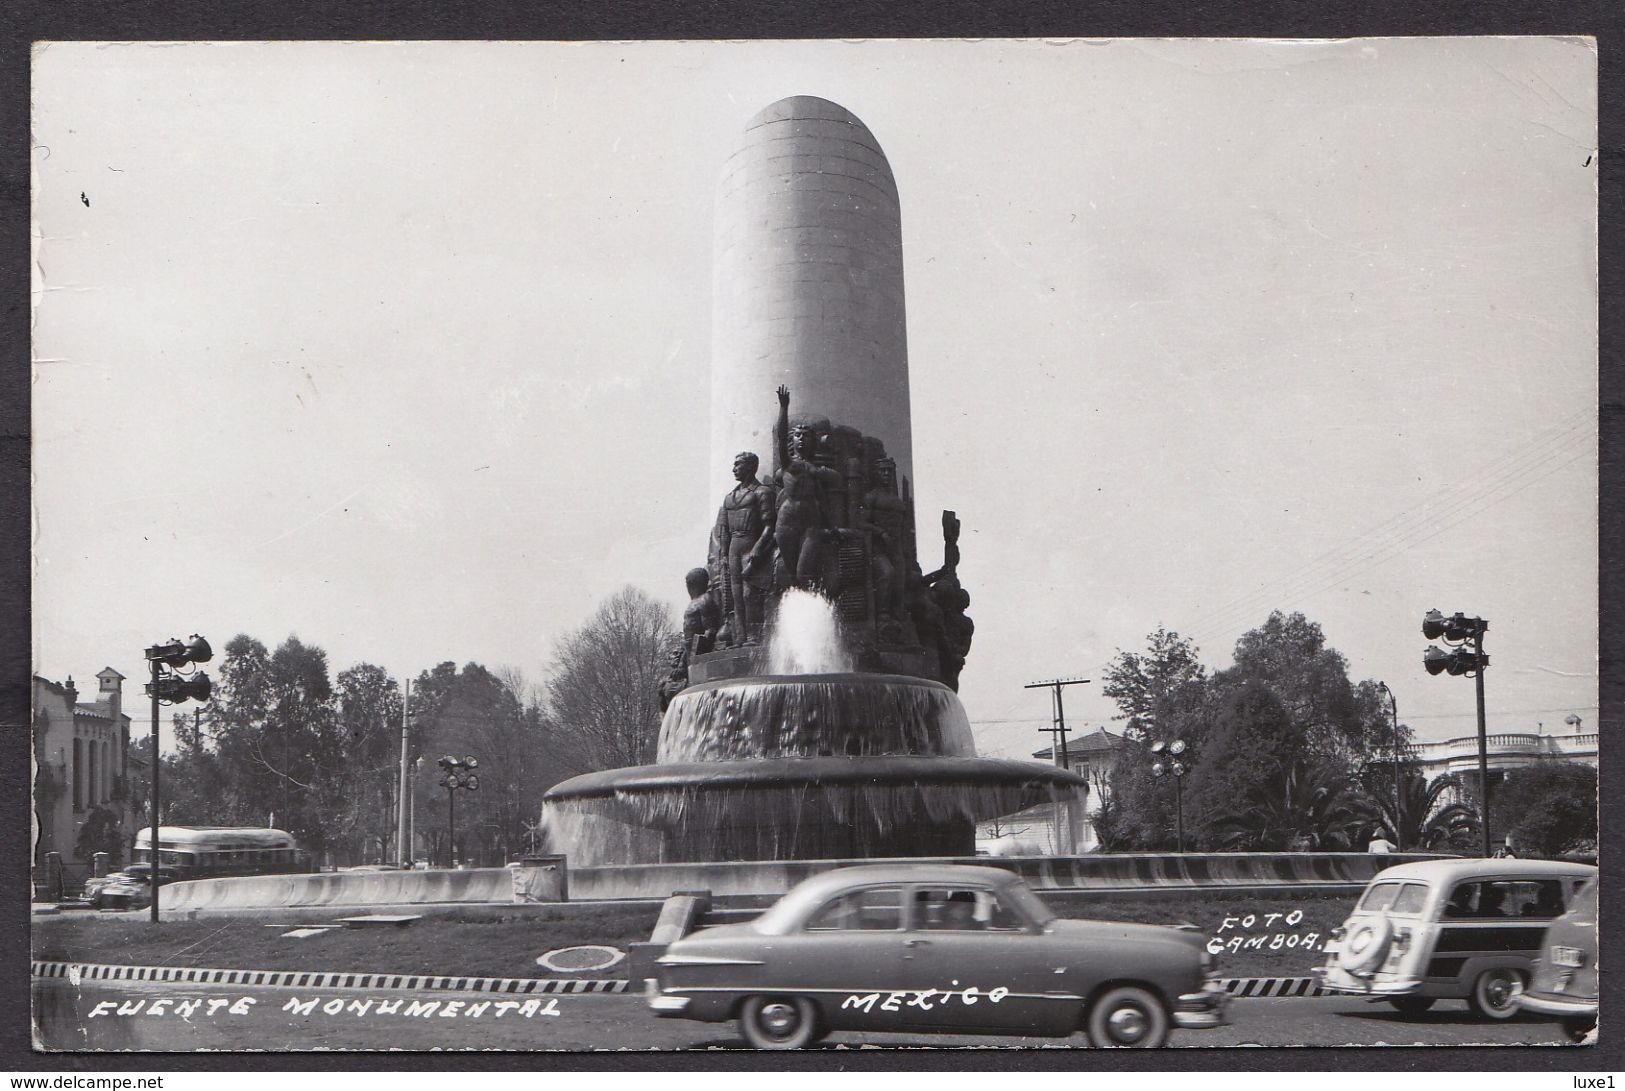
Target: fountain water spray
[(807, 637)]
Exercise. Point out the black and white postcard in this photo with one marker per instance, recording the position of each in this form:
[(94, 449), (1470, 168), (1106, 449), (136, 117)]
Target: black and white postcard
[(811, 545)]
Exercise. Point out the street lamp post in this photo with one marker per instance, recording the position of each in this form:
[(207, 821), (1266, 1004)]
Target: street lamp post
[(169, 687), (1399, 798), (457, 775), (1466, 635), (1177, 769)]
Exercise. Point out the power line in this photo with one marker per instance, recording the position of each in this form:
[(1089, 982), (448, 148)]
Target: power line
[(1411, 528)]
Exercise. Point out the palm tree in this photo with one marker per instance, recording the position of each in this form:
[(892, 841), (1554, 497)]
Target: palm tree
[(1430, 817), (1304, 803)]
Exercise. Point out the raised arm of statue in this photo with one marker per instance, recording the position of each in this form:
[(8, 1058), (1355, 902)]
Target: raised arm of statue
[(781, 431)]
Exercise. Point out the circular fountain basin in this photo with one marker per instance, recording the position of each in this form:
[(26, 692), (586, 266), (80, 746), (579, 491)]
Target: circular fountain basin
[(777, 808)]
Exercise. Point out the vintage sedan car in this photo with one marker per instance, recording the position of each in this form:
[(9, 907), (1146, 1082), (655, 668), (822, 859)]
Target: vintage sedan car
[(1450, 929), (1565, 982), (127, 889), (936, 948)]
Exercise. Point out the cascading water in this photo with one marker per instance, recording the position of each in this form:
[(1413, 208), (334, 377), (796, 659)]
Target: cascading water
[(815, 764), (807, 637)]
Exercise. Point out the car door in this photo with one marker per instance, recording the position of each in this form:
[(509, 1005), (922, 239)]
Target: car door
[(974, 962), (848, 957)]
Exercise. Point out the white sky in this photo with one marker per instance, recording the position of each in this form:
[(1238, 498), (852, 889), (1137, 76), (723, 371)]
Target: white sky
[(404, 349)]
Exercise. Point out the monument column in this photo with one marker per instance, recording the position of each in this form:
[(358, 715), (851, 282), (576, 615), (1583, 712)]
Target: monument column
[(808, 288)]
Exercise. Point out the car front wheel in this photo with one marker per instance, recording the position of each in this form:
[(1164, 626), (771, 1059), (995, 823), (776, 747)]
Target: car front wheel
[(778, 1022), (1128, 1017), (1495, 993), (1411, 1005)]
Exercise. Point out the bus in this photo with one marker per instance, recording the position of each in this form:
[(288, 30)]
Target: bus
[(212, 852)]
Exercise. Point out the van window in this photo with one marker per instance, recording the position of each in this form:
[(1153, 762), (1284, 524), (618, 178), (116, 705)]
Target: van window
[(1379, 897), (1411, 898), (1498, 899), (1539, 900)]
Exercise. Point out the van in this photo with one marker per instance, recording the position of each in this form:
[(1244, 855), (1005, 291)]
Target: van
[(1450, 930)]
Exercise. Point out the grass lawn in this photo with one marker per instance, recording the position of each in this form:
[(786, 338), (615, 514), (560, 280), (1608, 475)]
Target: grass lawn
[(508, 947), (1251, 947), (430, 945)]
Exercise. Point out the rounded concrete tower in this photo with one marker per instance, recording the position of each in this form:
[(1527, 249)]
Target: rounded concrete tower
[(808, 286)]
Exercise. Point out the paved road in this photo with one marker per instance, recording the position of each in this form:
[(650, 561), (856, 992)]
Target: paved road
[(64, 1019)]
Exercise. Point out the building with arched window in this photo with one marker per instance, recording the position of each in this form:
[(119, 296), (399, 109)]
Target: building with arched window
[(82, 775)]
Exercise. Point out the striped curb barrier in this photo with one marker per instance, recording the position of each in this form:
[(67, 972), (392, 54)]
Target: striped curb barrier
[(307, 979), (1272, 986)]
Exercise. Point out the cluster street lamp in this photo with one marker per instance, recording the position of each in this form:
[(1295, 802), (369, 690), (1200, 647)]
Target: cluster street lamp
[(1176, 768), (456, 773), (171, 686), (1465, 636)]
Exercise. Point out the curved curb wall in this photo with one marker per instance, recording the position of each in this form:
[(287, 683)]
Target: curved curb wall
[(1147, 871), (343, 888), (1116, 873)]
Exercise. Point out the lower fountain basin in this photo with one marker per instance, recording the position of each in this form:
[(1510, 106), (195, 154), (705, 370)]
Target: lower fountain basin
[(795, 808)]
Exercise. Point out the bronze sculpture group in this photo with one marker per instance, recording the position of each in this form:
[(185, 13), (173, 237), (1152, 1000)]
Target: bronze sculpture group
[(831, 518)]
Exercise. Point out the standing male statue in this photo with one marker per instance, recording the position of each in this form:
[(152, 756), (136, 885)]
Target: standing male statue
[(744, 540), (802, 522)]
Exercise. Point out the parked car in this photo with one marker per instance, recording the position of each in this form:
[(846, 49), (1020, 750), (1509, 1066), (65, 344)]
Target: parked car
[(1565, 981), (1450, 930), (935, 948), (127, 889)]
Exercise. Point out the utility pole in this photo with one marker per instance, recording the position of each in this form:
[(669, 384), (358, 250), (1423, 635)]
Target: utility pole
[(1057, 728), (403, 847), (1399, 799), (1057, 748)]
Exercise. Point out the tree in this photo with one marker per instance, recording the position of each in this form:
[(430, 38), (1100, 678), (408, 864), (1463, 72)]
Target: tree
[(1138, 813), (480, 714), (1251, 745), (1431, 816), (1300, 805), (602, 704), (1343, 724), (1164, 694), (367, 776), (102, 832), (1547, 809), (267, 746), (1144, 685)]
